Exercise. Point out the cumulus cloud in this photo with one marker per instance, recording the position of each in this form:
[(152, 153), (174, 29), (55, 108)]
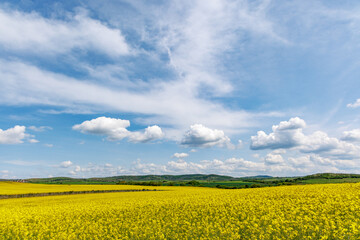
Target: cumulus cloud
[(13, 135), (180, 155), (273, 158), (303, 164), (66, 164), (312, 163), (151, 133), (115, 129), (34, 33), (287, 134), (279, 151), (356, 104), (320, 142), (351, 136), (201, 136), (303, 161)]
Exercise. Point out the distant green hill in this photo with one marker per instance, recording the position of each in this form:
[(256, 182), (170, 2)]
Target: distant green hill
[(257, 177), (129, 178), (330, 176), (204, 180), (186, 177)]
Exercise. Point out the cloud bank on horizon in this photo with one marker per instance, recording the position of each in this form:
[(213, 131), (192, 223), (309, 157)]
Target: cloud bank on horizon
[(198, 80)]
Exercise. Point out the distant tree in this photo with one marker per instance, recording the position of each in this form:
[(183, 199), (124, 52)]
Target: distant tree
[(193, 183)]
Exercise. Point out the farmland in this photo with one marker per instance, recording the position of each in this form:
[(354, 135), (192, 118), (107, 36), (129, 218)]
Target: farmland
[(326, 211)]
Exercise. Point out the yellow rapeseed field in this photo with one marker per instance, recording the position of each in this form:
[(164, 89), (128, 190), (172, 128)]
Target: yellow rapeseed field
[(293, 212), (21, 188)]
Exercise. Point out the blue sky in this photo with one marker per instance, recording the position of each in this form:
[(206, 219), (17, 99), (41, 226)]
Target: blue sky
[(93, 88)]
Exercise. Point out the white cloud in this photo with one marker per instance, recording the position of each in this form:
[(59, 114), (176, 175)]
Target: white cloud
[(279, 151), (115, 130), (33, 140), (201, 136), (292, 124), (33, 33), (320, 160), (66, 164), (39, 129), (302, 161), (356, 104), (320, 142), (273, 164), (195, 35), (4, 173), (13, 135), (240, 144), (22, 163), (172, 103), (151, 133), (351, 136), (314, 163), (287, 134), (180, 155), (233, 166), (77, 168), (275, 159), (95, 170), (49, 145)]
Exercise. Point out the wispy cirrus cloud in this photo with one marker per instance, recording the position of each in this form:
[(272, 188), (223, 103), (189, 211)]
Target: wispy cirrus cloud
[(193, 48), (40, 129), (24, 84), (30, 32)]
